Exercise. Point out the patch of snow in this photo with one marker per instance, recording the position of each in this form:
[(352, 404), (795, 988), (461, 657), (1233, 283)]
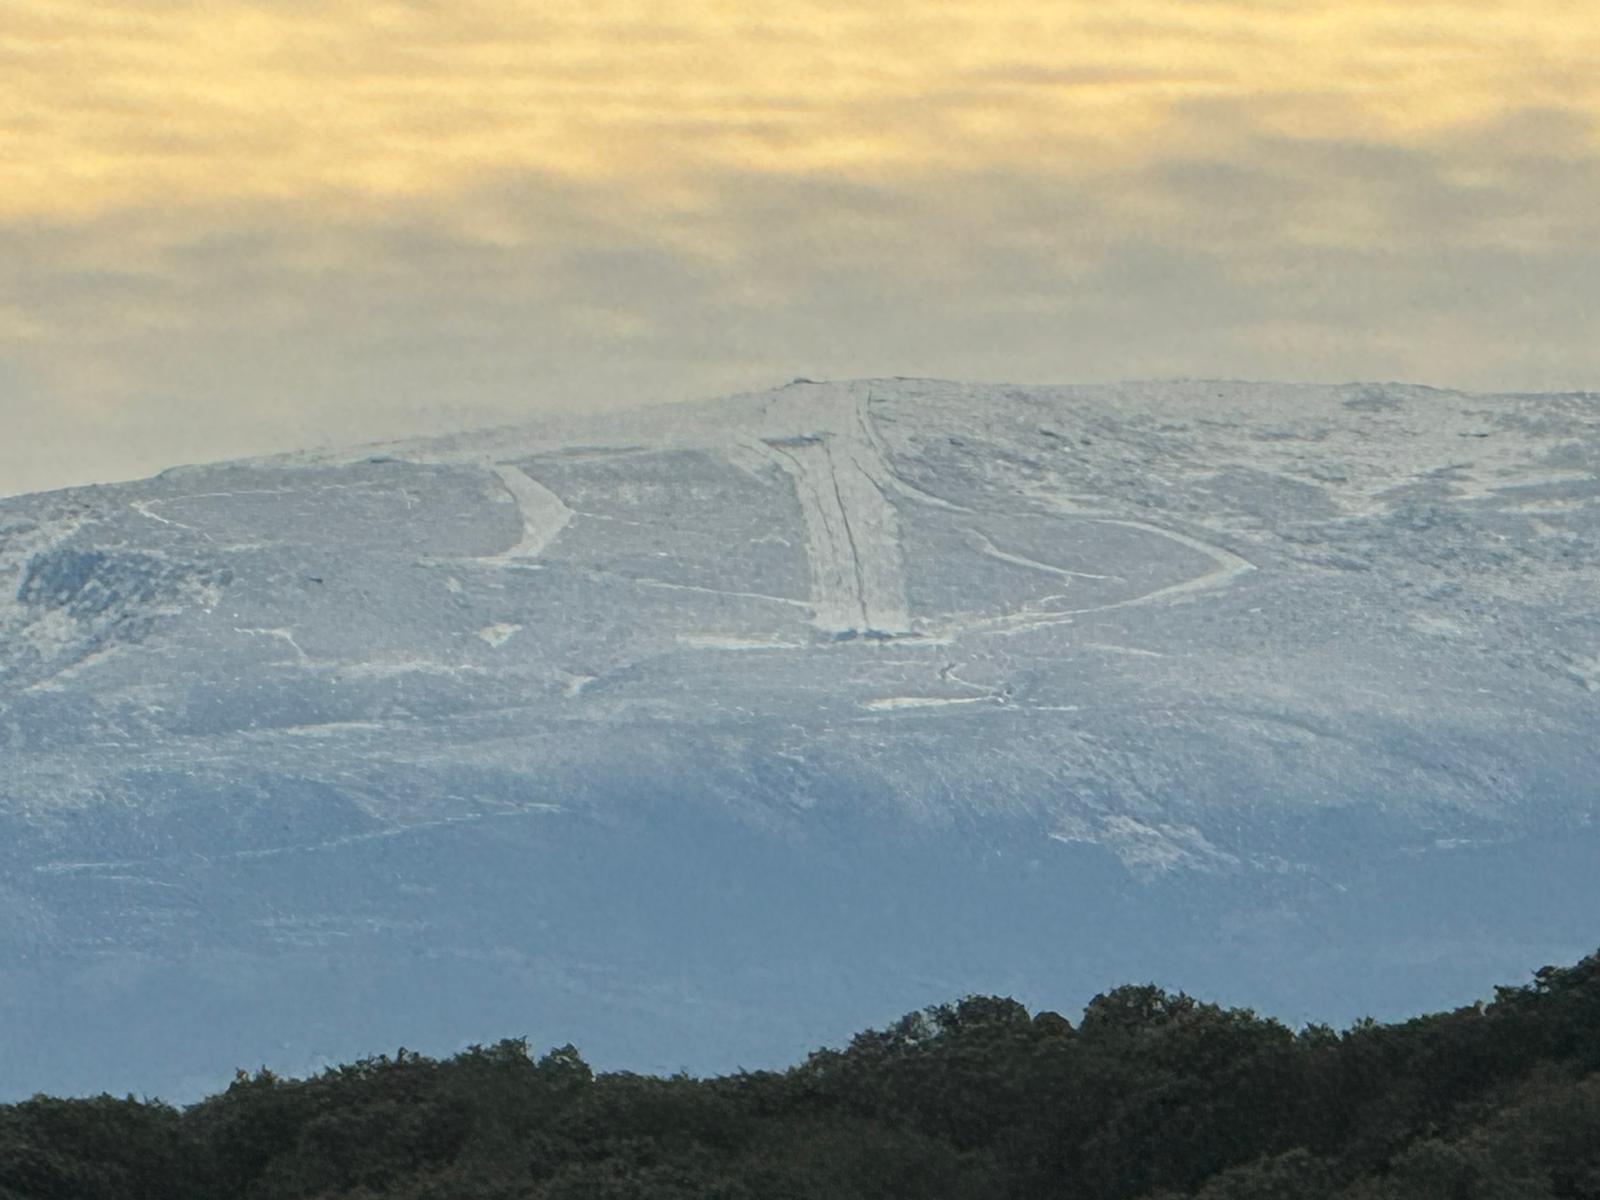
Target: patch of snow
[(52, 633), (713, 642), (543, 515), (897, 702), (575, 683), (499, 634), (283, 635), (390, 667), (1436, 625), (142, 507), (332, 728), (984, 546), (1150, 848), (1133, 650)]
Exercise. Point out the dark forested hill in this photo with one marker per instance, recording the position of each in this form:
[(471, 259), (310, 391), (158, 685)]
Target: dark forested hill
[(1151, 1094)]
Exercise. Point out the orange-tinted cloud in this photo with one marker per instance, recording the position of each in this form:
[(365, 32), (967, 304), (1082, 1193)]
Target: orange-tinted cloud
[(229, 227), (343, 100)]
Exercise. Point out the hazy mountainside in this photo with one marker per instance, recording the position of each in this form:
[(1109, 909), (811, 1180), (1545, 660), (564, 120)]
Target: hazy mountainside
[(732, 727)]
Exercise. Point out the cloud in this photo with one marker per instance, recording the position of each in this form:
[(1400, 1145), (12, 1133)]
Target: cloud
[(190, 103), (240, 227)]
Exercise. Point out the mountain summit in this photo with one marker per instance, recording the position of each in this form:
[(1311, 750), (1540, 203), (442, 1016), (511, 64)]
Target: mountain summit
[(682, 726)]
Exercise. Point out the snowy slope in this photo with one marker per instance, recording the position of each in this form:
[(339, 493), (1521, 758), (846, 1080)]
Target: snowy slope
[(756, 719)]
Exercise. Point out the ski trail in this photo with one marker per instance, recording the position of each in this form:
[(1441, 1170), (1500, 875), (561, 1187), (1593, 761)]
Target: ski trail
[(824, 441), (665, 585), (142, 507), (852, 534), (836, 600), (881, 567), (1229, 566), (878, 456), (984, 546), (282, 635), (892, 703), (849, 536), (543, 515)]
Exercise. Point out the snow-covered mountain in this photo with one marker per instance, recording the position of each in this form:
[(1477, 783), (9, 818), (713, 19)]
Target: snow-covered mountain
[(701, 733)]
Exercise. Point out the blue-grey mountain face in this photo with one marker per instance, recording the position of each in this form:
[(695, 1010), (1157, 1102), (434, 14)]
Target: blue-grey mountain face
[(701, 734)]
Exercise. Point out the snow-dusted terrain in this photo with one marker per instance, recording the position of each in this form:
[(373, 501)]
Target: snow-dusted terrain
[(699, 733)]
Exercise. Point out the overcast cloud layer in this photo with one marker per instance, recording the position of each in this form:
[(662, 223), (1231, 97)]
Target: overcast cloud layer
[(235, 227)]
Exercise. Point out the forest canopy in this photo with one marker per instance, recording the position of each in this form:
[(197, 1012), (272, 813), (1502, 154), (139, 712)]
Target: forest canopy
[(1149, 1095)]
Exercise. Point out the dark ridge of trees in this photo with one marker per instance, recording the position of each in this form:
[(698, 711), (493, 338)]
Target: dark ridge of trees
[(1151, 1095)]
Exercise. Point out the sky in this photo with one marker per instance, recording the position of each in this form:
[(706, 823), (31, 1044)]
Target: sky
[(233, 227)]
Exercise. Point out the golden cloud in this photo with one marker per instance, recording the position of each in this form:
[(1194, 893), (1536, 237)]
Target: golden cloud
[(183, 102), (231, 226)]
